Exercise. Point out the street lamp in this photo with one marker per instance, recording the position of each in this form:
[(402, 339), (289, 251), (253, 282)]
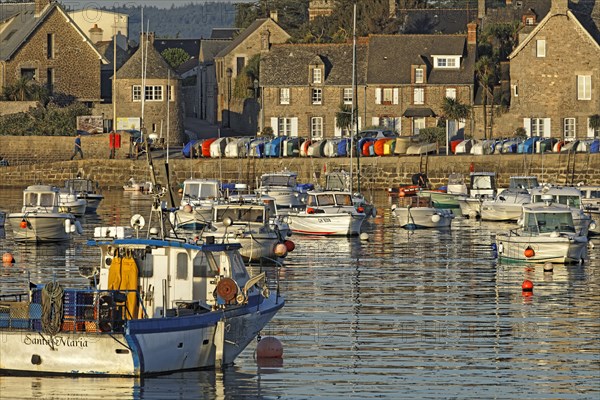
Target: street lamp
[(259, 107), (229, 73)]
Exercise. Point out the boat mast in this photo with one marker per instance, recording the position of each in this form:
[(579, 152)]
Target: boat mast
[(114, 84), (353, 98)]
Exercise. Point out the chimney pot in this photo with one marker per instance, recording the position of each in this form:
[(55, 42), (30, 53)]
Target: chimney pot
[(472, 33)]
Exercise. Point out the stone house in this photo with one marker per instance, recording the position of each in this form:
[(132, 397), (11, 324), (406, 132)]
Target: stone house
[(207, 76), (304, 86), (554, 76), (230, 62), (162, 108), (41, 42)]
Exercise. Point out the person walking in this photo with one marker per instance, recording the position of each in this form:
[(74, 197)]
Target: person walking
[(77, 148)]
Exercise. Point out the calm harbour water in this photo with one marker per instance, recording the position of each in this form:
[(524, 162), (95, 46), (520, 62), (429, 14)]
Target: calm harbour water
[(424, 314)]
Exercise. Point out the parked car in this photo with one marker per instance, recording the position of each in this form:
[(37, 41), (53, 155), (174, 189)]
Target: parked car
[(376, 133)]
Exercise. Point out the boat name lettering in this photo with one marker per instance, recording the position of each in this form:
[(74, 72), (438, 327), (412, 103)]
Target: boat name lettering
[(58, 341), (321, 220)]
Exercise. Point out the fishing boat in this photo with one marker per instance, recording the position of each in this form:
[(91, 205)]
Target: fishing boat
[(546, 234), (133, 186), (283, 186), (248, 224), (40, 219), (340, 181), (69, 203), (197, 199), (447, 197), (327, 213), (419, 212), (87, 189), (482, 186), (571, 197)]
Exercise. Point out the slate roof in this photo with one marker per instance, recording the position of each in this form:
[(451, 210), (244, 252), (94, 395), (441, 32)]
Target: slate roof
[(287, 64), (514, 11), (156, 66), (187, 66), (391, 57), (18, 22), (190, 46), (243, 36), (106, 49), (447, 21), (209, 48), (224, 33)]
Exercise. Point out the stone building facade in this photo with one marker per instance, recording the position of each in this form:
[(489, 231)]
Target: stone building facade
[(555, 75), (41, 42), (162, 105), (230, 62)]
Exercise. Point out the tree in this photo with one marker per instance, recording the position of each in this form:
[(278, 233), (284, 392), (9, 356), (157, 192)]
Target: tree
[(343, 118), (175, 57), (453, 109), (595, 122), (485, 70)]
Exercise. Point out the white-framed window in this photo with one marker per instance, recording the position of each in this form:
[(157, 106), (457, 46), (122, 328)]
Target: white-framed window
[(316, 127), (419, 75), (136, 94), (451, 93), (537, 126), (284, 96), (515, 90), (393, 123), (419, 96), (529, 21), (284, 126), (446, 61), (347, 96), (418, 124), (316, 75), (388, 95), (584, 87), (317, 96), (154, 93), (569, 128), (540, 48)]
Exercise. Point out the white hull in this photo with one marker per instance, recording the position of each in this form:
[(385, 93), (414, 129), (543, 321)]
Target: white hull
[(496, 211), (284, 197), (422, 217), (470, 206), (150, 346), (43, 227), (254, 245), (326, 223), (562, 250)]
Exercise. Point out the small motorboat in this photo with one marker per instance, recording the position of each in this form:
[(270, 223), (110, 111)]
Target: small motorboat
[(327, 213), (133, 186), (40, 218), (545, 144), (274, 148), (256, 147), (546, 234), (482, 147), (464, 147), (303, 149), (402, 144), (331, 147), (340, 181), (316, 148), (87, 189), (572, 197), (569, 146), (69, 203), (482, 186), (419, 212), (291, 147), (197, 200), (506, 206), (283, 187)]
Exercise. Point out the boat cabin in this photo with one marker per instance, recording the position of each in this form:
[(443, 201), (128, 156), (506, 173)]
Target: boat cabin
[(456, 184), (483, 184), (590, 198), (280, 179), (539, 219), (337, 181), (241, 213), (80, 185), (40, 198), (200, 192), (523, 182), (569, 196), (323, 199)]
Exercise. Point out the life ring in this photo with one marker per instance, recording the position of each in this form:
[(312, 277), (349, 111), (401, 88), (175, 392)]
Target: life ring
[(227, 289), (104, 312)]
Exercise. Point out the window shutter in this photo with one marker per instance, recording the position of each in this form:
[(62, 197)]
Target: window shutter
[(547, 131), (294, 132), (527, 126), (359, 123), (375, 121), (395, 94), (378, 96), (275, 126)]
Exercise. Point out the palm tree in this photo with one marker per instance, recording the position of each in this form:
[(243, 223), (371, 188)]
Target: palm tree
[(485, 69), (455, 110), (22, 89), (595, 122), (343, 118)]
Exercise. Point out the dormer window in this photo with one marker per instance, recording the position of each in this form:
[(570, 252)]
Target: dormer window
[(419, 75), (448, 62), (530, 21), (316, 75)]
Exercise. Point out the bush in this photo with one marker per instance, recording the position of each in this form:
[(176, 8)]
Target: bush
[(520, 133), (433, 135), (51, 120)]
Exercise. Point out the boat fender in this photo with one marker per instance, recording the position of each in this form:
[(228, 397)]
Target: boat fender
[(68, 225), (435, 218)]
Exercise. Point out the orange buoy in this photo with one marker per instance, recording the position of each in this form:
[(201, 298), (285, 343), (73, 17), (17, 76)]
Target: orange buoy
[(360, 209), (310, 210), (401, 193), (8, 258), (529, 252), (280, 250), (527, 286), (23, 224), (289, 245), (269, 347)]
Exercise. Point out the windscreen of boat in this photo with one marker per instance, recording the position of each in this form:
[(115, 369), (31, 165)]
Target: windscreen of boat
[(482, 182), (279, 180), (456, 179), (79, 185), (571, 201), (343, 199), (523, 183), (205, 265), (238, 268), (325, 200), (201, 191), (336, 182), (549, 222), (241, 214)]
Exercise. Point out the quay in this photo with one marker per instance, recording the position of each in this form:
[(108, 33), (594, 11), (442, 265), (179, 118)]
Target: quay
[(46, 160)]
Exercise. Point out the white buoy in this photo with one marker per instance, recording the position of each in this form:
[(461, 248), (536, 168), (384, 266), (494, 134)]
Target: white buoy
[(364, 236), (548, 267)]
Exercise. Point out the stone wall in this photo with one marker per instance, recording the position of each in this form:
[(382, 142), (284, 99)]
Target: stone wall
[(378, 173), (14, 107)]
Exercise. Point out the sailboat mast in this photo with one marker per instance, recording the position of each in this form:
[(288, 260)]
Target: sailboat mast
[(114, 84), (143, 90), (353, 98)]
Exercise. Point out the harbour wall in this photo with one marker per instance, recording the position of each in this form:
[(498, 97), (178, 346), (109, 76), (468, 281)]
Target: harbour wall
[(48, 162)]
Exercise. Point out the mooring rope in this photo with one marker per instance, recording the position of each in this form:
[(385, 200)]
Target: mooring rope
[(52, 308)]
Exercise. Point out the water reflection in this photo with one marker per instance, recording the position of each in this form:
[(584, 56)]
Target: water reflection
[(427, 313)]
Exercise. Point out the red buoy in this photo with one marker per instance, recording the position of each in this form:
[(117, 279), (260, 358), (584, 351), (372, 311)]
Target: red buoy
[(23, 224), (360, 209), (8, 258), (310, 210), (289, 245), (269, 347), (527, 286), (401, 193), (529, 252)]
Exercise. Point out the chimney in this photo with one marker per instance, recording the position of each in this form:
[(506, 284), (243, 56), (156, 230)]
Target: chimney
[(481, 9), (95, 34), (273, 15), (265, 40), (147, 36), (40, 5), (472, 33), (559, 6)]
